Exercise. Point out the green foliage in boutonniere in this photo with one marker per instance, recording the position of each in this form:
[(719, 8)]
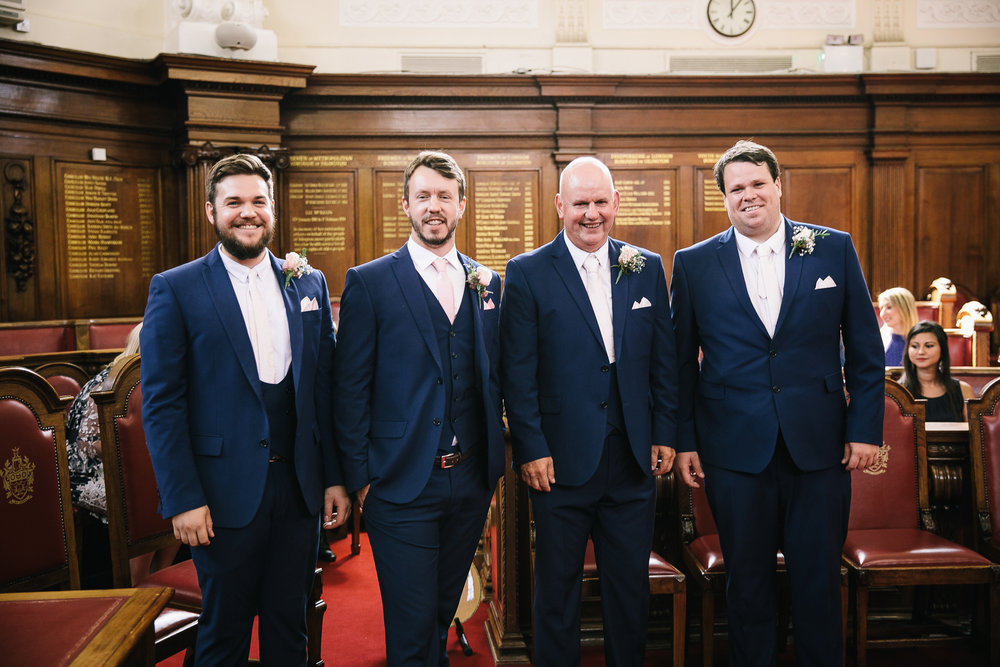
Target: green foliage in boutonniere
[(295, 266), (630, 260), (478, 278), (804, 240)]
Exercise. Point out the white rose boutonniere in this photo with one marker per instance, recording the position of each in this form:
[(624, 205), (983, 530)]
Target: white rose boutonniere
[(295, 266), (630, 260), (804, 240), (478, 278)]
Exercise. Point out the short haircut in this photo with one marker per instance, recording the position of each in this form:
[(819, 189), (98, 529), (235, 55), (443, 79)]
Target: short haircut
[(440, 162), (586, 159), (233, 165), (746, 151)]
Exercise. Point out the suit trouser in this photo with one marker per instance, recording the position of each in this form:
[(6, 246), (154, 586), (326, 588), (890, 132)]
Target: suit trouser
[(802, 513), (616, 508), (423, 550), (263, 569)]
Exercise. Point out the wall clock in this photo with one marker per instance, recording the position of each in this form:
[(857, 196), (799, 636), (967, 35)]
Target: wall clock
[(731, 18)]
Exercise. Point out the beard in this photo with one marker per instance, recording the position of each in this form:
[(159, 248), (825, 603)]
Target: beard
[(236, 248), (451, 225)]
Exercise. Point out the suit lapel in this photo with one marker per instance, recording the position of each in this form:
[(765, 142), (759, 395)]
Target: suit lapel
[(409, 286), (793, 273), (569, 273), (621, 297), (732, 267), (482, 361), (224, 297), (293, 313)]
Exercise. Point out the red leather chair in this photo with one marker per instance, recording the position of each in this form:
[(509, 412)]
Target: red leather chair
[(65, 377), (35, 508), (890, 540), (984, 455), (134, 524)]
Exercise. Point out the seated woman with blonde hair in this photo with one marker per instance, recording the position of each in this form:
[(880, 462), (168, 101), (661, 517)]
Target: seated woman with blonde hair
[(927, 374), (86, 470), (898, 310)]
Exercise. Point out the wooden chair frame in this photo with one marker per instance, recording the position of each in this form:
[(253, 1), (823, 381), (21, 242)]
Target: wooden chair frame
[(980, 458)]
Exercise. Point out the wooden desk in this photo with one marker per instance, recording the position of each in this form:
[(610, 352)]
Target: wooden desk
[(948, 432), (94, 627)]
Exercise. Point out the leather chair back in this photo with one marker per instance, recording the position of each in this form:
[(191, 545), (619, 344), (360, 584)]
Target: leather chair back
[(134, 524), (35, 507), (886, 496), (701, 513), (959, 348), (984, 437)]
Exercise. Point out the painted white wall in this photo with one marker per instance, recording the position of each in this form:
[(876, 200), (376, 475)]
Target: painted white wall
[(620, 36)]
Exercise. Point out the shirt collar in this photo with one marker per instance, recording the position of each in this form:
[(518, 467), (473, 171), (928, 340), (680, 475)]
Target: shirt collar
[(423, 258), (243, 273), (580, 255), (776, 241)]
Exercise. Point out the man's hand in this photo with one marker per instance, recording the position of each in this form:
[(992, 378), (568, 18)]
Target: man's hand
[(662, 459), (194, 527), (689, 468), (539, 474), (336, 506), (859, 455), (360, 496)]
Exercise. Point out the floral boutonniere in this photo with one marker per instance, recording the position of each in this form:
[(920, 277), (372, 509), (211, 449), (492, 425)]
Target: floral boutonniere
[(295, 266), (630, 260), (478, 278), (804, 240)]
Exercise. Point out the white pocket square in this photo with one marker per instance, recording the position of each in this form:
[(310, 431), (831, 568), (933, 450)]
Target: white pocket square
[(825, 283), (309, 304), (642, 303)]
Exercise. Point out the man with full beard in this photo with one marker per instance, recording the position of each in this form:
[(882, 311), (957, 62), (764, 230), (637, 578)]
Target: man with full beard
[(237, 354), (417, 413)]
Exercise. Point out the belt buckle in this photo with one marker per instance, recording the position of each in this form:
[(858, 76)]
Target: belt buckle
[(450, 460)]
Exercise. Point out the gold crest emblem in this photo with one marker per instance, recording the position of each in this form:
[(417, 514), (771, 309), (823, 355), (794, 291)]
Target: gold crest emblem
[(18, 478), (881, 463)]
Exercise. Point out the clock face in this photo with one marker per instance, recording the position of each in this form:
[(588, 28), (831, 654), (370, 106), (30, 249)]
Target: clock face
[(731, 18)]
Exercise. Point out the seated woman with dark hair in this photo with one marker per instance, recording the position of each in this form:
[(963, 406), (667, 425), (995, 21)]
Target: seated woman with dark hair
[(927, 374)]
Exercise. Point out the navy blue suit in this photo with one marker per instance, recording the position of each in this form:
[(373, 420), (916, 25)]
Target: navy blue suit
[(769, 420), (206, 419), (598, 422), (408, 383)]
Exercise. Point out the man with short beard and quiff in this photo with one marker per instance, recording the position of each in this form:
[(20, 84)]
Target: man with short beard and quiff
[(237, 354)]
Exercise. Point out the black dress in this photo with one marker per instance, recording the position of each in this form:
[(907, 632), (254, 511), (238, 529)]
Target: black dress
[(948, 406)]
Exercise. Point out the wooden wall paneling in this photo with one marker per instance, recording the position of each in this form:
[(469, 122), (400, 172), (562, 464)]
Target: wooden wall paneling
[(892, 243), (501, 219), (952, 214), (19, 240)]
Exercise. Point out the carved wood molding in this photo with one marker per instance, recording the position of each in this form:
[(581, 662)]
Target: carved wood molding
[(19, 228), (190, 156)]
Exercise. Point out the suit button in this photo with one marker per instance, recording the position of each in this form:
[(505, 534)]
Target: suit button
[(437, 422), (605, 369), (440, 381), (456, 376), (774, 353), (263, 443), (604, 404), (776, 389), (452, 333), (454, 355), (454, 420)]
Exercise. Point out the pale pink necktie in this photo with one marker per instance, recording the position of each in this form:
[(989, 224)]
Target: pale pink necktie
[(599, 302), (445, 292), (263, 343)]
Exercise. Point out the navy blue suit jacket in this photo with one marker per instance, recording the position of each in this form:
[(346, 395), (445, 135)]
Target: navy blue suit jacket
[(749, 385), (389, 378), (555, 368), (202, 408)]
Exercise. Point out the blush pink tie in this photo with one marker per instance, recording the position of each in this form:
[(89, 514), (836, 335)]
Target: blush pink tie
[(445, 293)]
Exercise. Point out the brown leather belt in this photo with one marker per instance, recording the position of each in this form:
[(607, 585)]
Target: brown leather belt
[(277, 458), (452, 460)]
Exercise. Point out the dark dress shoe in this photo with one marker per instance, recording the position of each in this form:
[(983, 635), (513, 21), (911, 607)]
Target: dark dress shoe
[(326, 553)]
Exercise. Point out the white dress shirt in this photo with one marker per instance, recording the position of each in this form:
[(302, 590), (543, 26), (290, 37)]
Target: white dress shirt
[(749, 263), (239, 275), (423, 260)]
